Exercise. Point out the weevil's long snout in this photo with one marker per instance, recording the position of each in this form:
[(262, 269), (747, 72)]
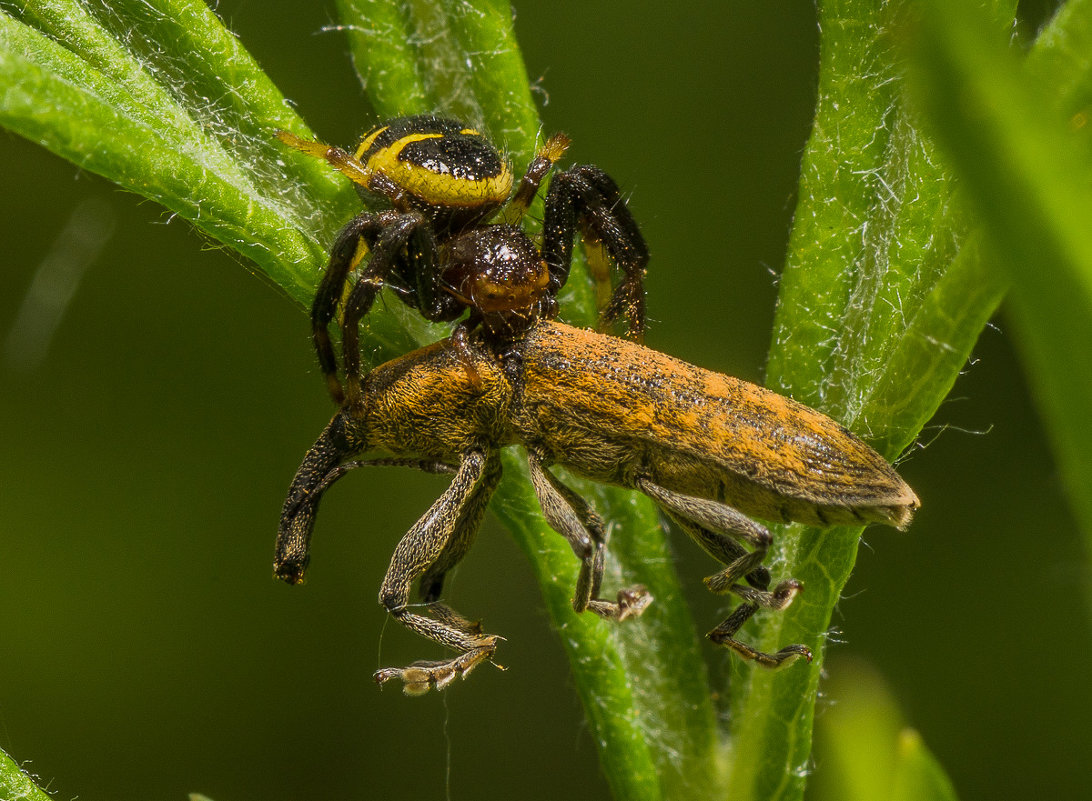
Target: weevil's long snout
[(294, 541), (318, 471)]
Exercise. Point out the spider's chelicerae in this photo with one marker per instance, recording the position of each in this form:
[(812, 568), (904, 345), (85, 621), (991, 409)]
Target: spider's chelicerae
[(451, 239)]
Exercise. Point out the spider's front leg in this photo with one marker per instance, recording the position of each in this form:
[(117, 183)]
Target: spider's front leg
[(545, 158), (584, 198), (403, 244), (353, 244)]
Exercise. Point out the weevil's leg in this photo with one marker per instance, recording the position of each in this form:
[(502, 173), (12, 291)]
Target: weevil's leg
[(424, 465), (716, 524), (432, 582), (725, 550), (425, 545), (318, 471), (712, 525), (387, 250), (724, 634), (587, 198), (545, 158), (572, 517), (322, 466)]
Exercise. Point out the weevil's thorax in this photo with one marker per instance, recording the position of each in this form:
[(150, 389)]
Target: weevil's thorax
[(427, 404), (450, 173)]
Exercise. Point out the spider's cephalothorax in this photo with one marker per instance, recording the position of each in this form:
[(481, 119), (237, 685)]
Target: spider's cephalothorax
[(451, 239)]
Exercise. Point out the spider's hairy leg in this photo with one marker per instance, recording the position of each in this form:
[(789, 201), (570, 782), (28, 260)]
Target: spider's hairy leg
[(544, 160), (341, 160), (585, 199), (364, 228), (387, 245)]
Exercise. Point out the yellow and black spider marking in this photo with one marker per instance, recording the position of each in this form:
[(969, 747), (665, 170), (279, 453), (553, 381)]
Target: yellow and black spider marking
[(448, 169), (712, 451), (450, 238)]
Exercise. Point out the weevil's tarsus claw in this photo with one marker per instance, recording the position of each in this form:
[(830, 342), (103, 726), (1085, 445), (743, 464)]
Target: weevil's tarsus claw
[(420, 677)]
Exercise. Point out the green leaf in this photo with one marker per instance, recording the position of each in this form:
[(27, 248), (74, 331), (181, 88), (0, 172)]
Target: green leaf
[(918, 775), (881, 300), (16, 785), (458, 58), (1060, 62), (1018, 136), (865, 748), (66, 93)]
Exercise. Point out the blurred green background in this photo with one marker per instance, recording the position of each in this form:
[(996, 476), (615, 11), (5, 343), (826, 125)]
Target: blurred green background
[(145, 650)]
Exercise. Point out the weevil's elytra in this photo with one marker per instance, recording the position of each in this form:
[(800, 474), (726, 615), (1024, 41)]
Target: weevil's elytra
[(710, 450), (446, 235), (707, 434)]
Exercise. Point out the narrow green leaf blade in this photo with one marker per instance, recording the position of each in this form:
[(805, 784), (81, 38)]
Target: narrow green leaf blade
[(865, 748), (879, 307), (1061, 60), (17, 785), (385, 53), (51, 96), (1028, 175), (918, 775)]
